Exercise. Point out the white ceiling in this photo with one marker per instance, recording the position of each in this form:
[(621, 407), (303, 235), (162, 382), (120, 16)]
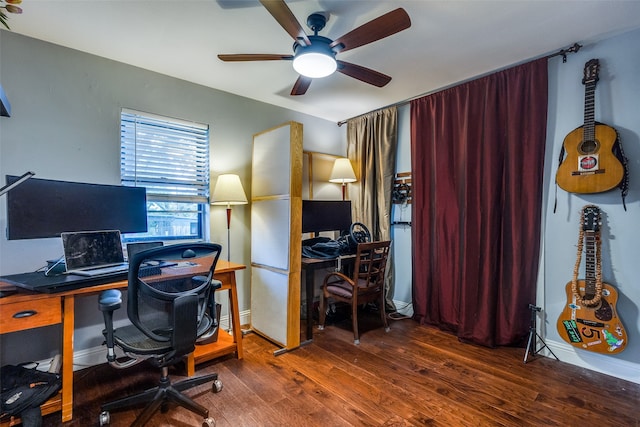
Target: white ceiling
[(449, 41)]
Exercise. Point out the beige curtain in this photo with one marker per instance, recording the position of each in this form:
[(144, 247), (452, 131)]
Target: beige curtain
[(372, 140)]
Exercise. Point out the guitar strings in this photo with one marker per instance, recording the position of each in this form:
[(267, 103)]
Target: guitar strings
[(574, 281)]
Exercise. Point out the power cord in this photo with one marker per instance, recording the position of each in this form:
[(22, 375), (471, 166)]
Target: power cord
[(397, 316)]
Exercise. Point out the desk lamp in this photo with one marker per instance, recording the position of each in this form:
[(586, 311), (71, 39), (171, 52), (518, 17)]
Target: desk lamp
[(9, 289), (17, 182), (228, 191), (342, 173)]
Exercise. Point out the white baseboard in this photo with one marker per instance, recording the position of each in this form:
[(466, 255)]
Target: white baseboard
[(97, 355)]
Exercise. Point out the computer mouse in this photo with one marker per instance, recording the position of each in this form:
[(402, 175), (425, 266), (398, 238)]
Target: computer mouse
[(189, 253)]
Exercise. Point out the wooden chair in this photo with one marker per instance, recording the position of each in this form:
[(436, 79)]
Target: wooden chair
[(366, 284)]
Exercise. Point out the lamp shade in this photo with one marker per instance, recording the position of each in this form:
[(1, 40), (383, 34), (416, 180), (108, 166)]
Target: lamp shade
[(228, 191), (342, 172)]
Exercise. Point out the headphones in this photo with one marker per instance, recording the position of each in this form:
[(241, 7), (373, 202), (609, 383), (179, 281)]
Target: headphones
[(401, 193)]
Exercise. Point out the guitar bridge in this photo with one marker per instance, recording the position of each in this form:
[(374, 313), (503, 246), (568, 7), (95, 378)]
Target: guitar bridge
[(578, 173)]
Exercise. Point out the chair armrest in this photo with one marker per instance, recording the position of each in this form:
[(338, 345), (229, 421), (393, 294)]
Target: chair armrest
[(211, 304), (337, 277), (215, 284), (108, 302)]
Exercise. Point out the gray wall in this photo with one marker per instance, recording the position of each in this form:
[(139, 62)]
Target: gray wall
[(65, 125), (616, 104)]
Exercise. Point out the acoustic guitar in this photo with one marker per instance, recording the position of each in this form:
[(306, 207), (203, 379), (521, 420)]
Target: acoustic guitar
[(590, 166), (589, 320)]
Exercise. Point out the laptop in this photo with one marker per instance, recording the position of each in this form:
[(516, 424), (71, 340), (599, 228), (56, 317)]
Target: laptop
[(93, 253)]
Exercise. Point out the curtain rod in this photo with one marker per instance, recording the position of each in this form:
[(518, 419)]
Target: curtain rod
[(562, 52)]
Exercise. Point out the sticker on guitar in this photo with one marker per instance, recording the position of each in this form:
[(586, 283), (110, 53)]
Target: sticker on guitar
[(589, 319)]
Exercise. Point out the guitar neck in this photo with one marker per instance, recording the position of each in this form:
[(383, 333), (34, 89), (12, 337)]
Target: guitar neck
[(589, 111), (590, 263)]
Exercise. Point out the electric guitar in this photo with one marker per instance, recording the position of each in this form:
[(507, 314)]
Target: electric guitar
[(589, 320), (590, 165)]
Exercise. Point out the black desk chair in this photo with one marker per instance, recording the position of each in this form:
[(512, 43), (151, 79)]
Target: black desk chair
[(365, 285), (171, 306)]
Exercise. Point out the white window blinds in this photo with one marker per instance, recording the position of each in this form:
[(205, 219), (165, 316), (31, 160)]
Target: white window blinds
[(169, 157)]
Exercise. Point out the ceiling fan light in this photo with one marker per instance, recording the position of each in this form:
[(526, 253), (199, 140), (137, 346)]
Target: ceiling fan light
[(316, 60), (315, 65)]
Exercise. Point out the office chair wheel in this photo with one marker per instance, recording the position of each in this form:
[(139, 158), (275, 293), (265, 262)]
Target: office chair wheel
[(209, 422), (104, 419), (216, 387)]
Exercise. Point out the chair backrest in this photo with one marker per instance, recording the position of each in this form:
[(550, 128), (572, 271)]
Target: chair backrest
[(371, 263), (170, 291)]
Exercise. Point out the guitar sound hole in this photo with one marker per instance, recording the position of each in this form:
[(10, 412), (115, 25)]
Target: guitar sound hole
[(588, 147), (604, 312)]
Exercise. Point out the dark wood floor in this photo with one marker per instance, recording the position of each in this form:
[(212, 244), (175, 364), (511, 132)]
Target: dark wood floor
[(413, 375)]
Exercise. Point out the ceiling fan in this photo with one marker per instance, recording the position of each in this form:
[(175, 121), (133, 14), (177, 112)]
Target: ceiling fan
[(314, 56)]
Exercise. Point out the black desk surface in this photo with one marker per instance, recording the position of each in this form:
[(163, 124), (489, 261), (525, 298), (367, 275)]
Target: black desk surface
[(38, 282)]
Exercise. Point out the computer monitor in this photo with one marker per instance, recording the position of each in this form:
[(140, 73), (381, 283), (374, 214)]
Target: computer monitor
[(41, 208), (135, 247), (325, 215)]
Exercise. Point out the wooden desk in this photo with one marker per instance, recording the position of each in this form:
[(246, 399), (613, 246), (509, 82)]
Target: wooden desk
[(59, 307), (310, 265)]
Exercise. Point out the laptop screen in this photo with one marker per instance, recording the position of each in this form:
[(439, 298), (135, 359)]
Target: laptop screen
[(92, 248)]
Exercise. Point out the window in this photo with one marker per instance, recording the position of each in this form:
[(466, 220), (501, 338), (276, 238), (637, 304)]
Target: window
[(169, 157)]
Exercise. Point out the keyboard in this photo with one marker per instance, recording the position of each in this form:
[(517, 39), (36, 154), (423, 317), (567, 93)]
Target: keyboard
[(101, 270), (149, 271)]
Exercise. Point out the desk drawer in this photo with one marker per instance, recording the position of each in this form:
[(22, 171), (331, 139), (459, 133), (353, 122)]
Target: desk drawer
[(23, 315)]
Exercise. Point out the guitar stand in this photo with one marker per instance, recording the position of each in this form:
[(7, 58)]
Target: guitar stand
[(533, 334)]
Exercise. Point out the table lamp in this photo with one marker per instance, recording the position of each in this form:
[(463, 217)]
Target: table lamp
[(228, 191), (342, 173)]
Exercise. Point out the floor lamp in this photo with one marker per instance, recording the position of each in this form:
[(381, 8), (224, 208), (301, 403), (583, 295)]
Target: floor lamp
[(228, 191), (342, 173)]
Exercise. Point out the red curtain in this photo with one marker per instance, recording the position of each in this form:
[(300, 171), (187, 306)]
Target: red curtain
[(477, 166)]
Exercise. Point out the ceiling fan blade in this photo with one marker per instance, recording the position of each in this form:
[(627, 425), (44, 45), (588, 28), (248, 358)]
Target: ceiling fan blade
[(281, 12), (364, 74), (381, 27), (254, 57), (301, 85)]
